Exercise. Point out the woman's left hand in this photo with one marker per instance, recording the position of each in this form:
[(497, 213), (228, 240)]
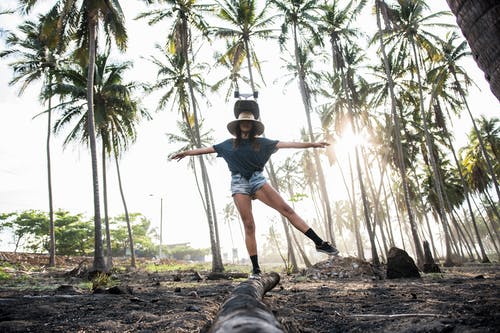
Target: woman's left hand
[(321, 144)]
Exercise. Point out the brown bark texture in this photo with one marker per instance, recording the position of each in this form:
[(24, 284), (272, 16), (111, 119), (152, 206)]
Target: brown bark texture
[(244, 311), (479, 21)]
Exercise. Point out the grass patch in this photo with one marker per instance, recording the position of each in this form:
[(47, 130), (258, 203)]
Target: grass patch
[(4, 276), (177, 266), (434, 276)]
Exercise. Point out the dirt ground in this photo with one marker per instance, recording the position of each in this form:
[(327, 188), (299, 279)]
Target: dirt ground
[(340, 295)]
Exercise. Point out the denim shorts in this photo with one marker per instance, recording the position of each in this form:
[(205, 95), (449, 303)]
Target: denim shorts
[(240, 184)]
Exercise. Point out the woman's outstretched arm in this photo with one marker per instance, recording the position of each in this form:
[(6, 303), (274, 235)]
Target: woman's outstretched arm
[(192, 152), (282, 144)]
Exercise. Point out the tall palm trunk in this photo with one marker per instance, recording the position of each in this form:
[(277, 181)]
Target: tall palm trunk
[(375, 194), (306, 100), (357, 231), (484, 257), (397, 139), (364, 199), (109, 256), (52, 236), (127, 217), (99, 264), (428, 141), (217, 265)]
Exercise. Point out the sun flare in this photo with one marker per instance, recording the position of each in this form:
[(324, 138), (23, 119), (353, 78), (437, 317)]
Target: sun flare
[(348, 141)]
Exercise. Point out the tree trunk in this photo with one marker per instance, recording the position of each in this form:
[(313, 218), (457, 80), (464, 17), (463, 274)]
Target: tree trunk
[(480, 24), (244, 310), (109, 257), (52, 235), (397, 139), (127, 217), (217, 265), (437, 180), (99, 264), (357, 231), (306, 100)]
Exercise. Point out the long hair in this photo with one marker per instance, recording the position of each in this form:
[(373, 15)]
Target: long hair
[(251, 137)]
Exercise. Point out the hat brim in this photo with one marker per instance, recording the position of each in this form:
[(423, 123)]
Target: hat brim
[(259, 127)]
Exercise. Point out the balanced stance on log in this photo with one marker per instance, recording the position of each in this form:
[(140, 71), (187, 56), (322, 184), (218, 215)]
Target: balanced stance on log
[(246, 155)]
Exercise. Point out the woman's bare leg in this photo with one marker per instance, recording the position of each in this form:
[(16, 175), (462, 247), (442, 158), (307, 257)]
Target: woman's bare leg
[(268, 195), (243, 203)]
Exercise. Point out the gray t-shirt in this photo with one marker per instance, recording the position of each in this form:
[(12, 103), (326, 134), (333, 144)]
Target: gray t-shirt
[(245, 159)]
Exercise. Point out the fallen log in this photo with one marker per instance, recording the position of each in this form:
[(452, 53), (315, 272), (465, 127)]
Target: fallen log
[(244, 311)]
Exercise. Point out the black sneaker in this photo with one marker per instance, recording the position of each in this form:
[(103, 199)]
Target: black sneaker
[(255, 276), (325, 247)]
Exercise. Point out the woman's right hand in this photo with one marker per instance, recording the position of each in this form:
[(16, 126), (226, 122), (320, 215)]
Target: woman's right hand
[(177, 156)]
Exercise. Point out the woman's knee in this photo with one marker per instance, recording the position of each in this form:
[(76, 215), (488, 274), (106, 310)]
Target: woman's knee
[(249, 226)]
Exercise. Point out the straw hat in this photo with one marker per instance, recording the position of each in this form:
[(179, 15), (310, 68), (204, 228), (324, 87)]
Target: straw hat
[(246, 115)]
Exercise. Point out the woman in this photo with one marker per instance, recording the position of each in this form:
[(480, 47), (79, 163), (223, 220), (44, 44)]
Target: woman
[(246, 155)]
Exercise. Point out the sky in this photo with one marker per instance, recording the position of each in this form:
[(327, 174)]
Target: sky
[(150, 179)]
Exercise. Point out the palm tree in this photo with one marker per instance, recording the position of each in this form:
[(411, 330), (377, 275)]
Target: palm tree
[(37, 57), (409, 36), (243, 25), (117, 114), (477, 19), (188, 14), (301, 16), (474, 164), (173, 76), (444, 76), (80, 19)]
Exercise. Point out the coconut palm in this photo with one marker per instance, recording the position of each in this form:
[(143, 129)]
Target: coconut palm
[(174, 80), (232, 76), (410, 36), (444, 77), (336, 25), (302, 18), (80, 19), (477, 19), (37, 57), (117, 115), (243, 24), (187, 15), (451, 56), (474, 163)]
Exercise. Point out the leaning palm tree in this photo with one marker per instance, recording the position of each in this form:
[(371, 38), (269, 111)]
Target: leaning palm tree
[(444, 77), (174, 82), (37, 57), (188, 16), (382, 11), (410, 36), (80, 20), (302, 18), (479, 23)]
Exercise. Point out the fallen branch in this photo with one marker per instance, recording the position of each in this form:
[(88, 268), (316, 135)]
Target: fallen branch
[(244, 310), (397, 315)]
